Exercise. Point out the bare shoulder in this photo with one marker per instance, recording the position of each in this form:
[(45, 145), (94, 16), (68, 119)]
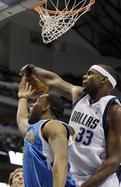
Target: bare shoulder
[(54, 127), (115, 115), (115, 109)]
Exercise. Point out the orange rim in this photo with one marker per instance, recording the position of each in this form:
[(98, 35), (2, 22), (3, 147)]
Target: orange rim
[(39, 8)]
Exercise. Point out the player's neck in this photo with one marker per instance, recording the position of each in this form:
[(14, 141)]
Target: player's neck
[(98, 96), (47, 116)]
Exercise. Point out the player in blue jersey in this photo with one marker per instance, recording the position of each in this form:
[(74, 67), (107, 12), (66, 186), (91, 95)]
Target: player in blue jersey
[(45, 162), (96, 116)]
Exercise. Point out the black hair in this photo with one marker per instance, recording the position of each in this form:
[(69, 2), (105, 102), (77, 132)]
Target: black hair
[(10, 181), (56, 104), (111, 70)]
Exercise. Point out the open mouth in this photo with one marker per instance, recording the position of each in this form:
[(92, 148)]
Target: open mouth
[(84, 83), (20, 182)]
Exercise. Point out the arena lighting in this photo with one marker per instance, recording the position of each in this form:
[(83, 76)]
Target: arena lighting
[(3, 153), (15, 158)]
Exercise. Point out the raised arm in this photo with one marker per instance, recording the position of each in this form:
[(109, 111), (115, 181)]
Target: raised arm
[(113, 149), (53, 81), (25, 91), (56, 134)]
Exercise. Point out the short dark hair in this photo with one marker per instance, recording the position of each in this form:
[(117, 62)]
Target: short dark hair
[(56, 104), (111, 70), (10, 180)]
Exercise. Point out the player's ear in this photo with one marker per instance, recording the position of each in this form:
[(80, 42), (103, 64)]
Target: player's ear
[(104, 80)]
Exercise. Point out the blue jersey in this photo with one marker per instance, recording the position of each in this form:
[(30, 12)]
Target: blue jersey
[(38, 159)]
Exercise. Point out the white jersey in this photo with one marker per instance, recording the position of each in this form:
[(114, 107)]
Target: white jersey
[(89, 122)]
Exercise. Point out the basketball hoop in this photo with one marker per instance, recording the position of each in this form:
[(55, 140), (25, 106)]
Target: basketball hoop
[(58, 16)]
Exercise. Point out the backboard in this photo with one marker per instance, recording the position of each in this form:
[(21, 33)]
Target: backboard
[(11, 7)]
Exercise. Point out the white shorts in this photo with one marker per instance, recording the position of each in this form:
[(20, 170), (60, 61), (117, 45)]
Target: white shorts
[(111, 181)]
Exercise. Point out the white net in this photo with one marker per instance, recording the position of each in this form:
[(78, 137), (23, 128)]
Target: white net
[(57, 18)]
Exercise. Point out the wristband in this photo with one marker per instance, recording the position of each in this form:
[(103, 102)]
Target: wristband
[(29, 68), (23, 97)]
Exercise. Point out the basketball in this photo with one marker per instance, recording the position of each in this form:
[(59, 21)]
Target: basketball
[(39, 86)]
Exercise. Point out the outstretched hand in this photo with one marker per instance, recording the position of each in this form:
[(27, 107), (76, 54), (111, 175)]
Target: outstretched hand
[(27, 69), (25, 90)]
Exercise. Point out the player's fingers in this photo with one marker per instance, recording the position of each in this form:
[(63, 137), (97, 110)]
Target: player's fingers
[(30, 88), (27, 86), (21, 84), (33, 91)]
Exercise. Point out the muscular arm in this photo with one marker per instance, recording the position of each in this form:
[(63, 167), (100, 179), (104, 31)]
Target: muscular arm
[(113, 150), (22, 116), (57, 139), (25, 92), (53, 81)]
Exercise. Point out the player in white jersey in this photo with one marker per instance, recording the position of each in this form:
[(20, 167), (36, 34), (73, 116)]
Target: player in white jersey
[(96, 154)]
